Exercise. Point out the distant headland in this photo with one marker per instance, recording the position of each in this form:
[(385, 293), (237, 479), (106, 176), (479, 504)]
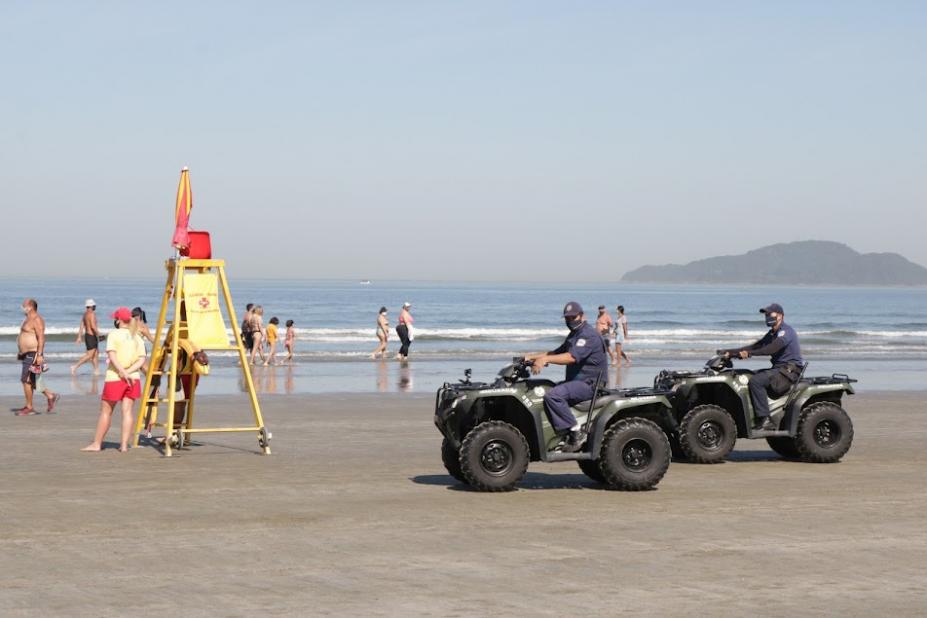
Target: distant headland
[(809, 262)]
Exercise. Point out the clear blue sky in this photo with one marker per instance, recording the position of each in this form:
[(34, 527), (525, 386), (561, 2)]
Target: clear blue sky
[(458, 140)]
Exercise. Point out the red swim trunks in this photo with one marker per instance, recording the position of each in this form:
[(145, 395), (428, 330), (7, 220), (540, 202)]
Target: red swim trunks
[(120, 389)]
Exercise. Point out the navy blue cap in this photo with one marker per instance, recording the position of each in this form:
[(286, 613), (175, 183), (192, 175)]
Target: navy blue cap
[(572, 309), (773, 308)]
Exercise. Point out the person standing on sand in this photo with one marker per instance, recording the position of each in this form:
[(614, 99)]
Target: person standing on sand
[(382, 333), (603, 324), (258, 334), (89, 334), (31, 345), (404, 330), (290, 341), (125, 351), (142, 321), (621, 336)]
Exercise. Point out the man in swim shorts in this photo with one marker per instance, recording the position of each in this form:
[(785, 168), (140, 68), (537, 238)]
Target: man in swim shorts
[(31, 345), (89, 333), (603, 324)]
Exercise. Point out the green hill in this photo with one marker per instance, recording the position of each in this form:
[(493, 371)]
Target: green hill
[(810, 262)]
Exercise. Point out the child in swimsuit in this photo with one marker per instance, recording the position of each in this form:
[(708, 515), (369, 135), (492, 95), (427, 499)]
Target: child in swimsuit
[(290, 340), (272, 340)]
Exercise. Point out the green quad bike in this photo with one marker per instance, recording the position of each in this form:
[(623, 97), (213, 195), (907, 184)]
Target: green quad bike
[(712, 408), (493, 430)]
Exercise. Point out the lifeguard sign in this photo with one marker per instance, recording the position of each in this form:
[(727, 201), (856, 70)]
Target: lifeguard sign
[(204, 316), (194, 295)]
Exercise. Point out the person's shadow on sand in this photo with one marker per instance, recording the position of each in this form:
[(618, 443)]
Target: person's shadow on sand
[(531, 480), (108, 446)]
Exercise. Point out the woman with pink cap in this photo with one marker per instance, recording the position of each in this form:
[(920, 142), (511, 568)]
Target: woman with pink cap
[(125, 351)]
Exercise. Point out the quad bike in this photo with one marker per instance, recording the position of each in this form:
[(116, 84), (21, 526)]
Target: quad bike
[(712, 408), (493, 430)]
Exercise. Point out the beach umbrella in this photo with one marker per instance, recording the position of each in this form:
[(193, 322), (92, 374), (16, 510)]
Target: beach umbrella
[(182, 214)]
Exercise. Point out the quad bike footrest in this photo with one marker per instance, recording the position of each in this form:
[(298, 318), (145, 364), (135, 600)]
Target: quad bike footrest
[(568, 456)]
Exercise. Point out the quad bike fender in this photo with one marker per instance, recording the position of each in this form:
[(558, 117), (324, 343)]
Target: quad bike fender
[(503, 404), (812, 391), (656, 408), (685, 387)]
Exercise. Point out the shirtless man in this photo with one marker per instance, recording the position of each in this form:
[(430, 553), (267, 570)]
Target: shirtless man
[(89, 334), (31, 342), (603, 324)]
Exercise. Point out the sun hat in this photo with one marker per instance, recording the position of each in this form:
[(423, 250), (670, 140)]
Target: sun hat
[(90, 303)]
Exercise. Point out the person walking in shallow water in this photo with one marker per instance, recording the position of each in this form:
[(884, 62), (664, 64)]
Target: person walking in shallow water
[(382, 334), (604, 325), (621, 336), (258, 334), (88, 333), (290, 341), (272, 341), (404, 330), (247, 329)]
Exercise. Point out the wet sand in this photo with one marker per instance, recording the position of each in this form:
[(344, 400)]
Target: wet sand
[(353, 514)]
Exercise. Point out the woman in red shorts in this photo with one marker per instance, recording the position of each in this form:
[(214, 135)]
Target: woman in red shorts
[(125, 351)]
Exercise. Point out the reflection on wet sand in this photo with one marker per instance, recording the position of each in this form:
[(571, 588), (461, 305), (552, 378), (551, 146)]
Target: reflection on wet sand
[(618, 380), (405, 377), (288, 388), (91, 387), (265, 379), (382, 376), (270, 380)]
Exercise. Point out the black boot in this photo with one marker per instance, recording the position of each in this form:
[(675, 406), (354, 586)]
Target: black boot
[(574, 441), (764, 423)]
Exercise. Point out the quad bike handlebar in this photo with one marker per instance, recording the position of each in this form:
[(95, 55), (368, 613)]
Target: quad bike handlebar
[(720, 361), (518, 369)]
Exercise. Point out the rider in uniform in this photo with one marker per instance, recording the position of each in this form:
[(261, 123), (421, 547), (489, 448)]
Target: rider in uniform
[(583, 353), (780, 343)]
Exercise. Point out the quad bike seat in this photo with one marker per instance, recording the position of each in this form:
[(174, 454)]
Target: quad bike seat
[(601, 402)]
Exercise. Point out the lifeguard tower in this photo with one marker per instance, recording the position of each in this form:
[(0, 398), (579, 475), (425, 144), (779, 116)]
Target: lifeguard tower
[(191, 321)]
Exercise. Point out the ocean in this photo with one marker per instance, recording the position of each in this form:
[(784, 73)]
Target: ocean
[(878, 335)]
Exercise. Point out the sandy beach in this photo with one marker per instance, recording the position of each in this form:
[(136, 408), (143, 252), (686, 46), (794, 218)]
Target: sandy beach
[(353, 514)]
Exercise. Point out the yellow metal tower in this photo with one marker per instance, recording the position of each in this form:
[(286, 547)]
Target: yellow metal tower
[(196, 323)]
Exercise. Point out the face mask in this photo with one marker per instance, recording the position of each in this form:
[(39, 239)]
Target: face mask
[(770, 320), (25, 310), (572, 323)]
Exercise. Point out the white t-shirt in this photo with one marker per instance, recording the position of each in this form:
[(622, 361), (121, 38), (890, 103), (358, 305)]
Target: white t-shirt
[(619, 327)]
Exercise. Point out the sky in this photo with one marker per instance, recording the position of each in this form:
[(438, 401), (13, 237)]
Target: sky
[(457, 140)]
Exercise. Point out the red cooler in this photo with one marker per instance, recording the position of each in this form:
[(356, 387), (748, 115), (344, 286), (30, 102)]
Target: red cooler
[(200, 247)]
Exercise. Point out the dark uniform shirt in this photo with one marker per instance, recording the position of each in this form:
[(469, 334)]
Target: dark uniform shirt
[(782, 345), (586, 345)]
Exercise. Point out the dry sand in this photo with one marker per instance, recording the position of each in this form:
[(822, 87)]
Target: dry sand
[(353, 514)]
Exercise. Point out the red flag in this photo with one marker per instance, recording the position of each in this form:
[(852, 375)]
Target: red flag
[(182, 214)]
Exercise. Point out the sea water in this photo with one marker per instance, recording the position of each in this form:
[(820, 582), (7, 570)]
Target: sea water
[(878, 335)]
